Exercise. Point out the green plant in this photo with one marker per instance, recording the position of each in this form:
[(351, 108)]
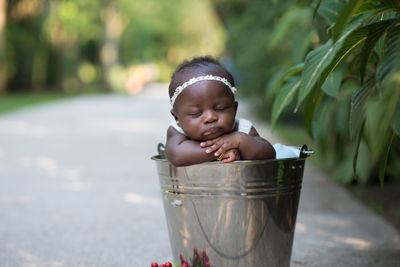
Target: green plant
[(348, 87)]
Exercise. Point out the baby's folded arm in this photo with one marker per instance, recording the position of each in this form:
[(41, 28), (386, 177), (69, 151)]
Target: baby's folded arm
[(181, 151), (253, 146)]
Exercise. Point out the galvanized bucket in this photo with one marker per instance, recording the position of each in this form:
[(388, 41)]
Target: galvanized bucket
[(241, 213)]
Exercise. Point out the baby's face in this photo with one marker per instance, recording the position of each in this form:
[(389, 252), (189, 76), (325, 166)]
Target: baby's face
[(205, 110)]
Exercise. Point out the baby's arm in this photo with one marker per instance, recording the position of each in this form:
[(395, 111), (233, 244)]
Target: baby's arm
[(250, 146), (181, 151)]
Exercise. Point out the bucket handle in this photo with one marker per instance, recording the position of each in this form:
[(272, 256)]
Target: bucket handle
[(305, 152), (161, 149), (220, 252)]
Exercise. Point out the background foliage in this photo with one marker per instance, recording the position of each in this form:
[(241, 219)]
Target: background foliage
[(74, 44), (335, 64)]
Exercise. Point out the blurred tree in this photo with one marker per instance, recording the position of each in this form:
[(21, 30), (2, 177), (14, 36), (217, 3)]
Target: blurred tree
[(65, 45), (263, 37), (113, 27), (3, 14)]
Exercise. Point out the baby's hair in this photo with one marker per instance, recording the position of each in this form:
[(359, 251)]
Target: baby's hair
[(194, 65)]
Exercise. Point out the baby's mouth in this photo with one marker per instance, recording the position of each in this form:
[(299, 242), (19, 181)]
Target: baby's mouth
[(211, 131)]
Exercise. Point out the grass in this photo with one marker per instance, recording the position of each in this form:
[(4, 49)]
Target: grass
[(16, 101)]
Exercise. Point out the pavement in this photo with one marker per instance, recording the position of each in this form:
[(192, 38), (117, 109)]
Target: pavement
[(78, 188)]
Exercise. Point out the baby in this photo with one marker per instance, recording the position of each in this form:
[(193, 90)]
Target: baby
[(204, 107)]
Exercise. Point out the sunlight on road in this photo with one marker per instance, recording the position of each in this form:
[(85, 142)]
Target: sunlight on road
[(141, 200), (144, 125), (357, 243), (53, 168), (300, 227), (32, 260), (23, 128)]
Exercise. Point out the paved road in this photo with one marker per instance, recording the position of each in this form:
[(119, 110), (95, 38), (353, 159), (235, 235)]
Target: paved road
[(78, 188)]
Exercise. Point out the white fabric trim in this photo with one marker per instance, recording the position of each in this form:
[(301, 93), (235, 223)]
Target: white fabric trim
[(283, 151), (176, 127), (180, 88), (244, 126)]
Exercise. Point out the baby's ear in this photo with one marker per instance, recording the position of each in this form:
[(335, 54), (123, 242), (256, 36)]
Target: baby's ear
[(174, 115), (236, 106)]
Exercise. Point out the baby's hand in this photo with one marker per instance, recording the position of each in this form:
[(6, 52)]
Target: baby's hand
[(221, 144), (231, 155)]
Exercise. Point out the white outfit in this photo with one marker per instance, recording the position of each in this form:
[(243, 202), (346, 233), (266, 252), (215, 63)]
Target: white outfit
[(244, 126)]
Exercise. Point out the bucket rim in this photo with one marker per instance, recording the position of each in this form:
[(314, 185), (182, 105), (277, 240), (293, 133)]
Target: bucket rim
[(305, 152), (161, 158)]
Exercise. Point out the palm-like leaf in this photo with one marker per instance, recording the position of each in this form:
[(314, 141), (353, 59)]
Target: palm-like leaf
[(396, 120), (344, 17), (322, 120), (394, 4), (319, 59), (332, 84), (379, 116), (367, 6), (375, 32), (284, 97), (329, 10), (351, 42), (357, 109), (290, 72), (391, 57)]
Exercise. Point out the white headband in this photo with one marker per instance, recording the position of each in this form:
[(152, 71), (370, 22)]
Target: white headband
[(179, 89)]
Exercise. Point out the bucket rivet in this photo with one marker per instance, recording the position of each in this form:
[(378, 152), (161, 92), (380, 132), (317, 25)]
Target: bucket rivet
[(176, 202)]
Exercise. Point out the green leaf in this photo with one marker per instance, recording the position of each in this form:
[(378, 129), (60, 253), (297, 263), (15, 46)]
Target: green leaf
[(396, 119), (303, 44), (375, 32), (351, 42), (367, 6), (379, 116), (322, 119), (291, 71), (357, 107), (284, 98), (332, 84), (316, 9), (287, 22), (357, 150), (383, 162), (310, 107), (317, 61), (342, 115), (391, 3), (391, 57), (344, 17), (329, 10)]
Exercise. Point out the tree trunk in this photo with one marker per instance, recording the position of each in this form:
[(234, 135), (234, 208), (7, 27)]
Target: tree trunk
[(113, 27), (3, 73)]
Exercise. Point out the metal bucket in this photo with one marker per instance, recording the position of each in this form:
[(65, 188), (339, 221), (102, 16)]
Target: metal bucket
[(241, 213)]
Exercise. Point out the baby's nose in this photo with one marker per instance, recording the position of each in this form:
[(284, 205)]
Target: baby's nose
[(210, 116)]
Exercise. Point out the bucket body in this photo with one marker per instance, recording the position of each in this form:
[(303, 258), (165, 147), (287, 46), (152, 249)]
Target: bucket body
[(241, 213)]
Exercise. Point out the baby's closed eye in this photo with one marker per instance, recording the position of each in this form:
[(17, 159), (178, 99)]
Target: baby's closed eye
[(194, 113), (220, 107)]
